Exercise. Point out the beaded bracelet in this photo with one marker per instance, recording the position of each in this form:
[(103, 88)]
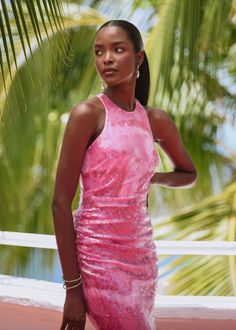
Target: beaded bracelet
[(71, 281)]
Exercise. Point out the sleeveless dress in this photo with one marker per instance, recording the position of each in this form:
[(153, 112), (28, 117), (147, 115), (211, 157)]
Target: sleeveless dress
[(114, 236)]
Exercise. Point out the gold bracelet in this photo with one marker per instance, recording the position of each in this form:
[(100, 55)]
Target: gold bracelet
[(71, 287), (71, 281)]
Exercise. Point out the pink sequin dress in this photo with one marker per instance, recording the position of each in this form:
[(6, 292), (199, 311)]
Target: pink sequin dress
[(114, 235)]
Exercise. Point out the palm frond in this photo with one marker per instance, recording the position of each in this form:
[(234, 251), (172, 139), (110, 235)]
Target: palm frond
[(181, 42), (20, 24), (185, 68), (212, 219)]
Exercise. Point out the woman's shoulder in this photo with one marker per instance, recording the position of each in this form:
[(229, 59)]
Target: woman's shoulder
[(160, 122), (88, 109), (157, 114)]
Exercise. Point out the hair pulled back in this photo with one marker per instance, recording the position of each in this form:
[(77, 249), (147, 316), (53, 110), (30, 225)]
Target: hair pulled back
[(143, 82)]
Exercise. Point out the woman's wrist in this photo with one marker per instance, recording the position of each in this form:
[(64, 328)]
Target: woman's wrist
[(74, 280), (76, 290), (70, 284)]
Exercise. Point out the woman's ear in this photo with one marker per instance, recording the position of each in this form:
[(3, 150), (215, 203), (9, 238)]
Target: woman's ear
[(140, 57)]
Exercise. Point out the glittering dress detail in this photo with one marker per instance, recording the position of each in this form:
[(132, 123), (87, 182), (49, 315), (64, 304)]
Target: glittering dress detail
[(114, 235)]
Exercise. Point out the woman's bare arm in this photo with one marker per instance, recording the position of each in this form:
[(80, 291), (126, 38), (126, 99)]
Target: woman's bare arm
[(166, 134), (80, 128)]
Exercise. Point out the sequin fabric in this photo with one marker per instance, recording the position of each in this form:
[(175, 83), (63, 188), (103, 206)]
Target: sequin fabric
[(114, 235)]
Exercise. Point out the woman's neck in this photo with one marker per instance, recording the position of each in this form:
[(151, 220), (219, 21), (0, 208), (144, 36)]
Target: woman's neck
[(124, 98)]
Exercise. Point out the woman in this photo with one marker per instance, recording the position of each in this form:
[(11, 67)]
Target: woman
[(106, 246)]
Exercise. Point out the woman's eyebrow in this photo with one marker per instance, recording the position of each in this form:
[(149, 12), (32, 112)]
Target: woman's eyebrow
[(113, 43)]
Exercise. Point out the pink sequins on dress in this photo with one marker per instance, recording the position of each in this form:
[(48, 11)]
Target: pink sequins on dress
[(114, 235)]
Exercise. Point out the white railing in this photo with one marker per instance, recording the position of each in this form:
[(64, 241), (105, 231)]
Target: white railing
[(51, 295), (164, 247)]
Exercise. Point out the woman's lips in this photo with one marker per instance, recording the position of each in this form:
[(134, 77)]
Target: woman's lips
[(109, 72)]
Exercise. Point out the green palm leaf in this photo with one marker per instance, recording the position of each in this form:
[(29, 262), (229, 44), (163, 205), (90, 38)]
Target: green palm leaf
[(184, 58), (20, 23), (212, 219)]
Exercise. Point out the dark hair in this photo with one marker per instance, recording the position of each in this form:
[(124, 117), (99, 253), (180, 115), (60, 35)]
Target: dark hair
[(143, 82)]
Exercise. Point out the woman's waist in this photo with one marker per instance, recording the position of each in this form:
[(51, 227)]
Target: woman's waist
[(106, 230), (126, 247), (98, 214), (90, 200)]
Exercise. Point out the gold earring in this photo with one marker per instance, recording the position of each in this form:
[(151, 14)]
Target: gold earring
[(103, 85), (137, 73)]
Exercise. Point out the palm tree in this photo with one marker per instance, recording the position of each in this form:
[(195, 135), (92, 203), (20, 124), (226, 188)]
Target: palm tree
[(197, 45), (188, 44)]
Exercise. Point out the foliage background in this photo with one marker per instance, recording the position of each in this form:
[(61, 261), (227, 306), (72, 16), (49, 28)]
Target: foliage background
[(46, 64)]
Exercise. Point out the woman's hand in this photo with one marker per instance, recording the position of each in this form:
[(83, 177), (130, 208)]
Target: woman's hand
[(74, 313)]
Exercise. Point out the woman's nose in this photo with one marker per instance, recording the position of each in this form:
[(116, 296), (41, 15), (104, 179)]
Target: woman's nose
[(108, 57)]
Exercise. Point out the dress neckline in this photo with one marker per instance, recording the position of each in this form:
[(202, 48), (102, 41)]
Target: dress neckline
[(121, 109)]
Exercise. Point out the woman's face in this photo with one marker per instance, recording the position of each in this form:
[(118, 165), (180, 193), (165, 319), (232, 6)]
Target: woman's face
[(115, 59)]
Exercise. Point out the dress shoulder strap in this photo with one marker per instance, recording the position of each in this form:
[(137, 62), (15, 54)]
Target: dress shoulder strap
[(104, 100)]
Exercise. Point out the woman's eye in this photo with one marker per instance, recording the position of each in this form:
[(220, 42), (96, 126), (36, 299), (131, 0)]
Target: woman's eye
[(119, 50), (98, 52)]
